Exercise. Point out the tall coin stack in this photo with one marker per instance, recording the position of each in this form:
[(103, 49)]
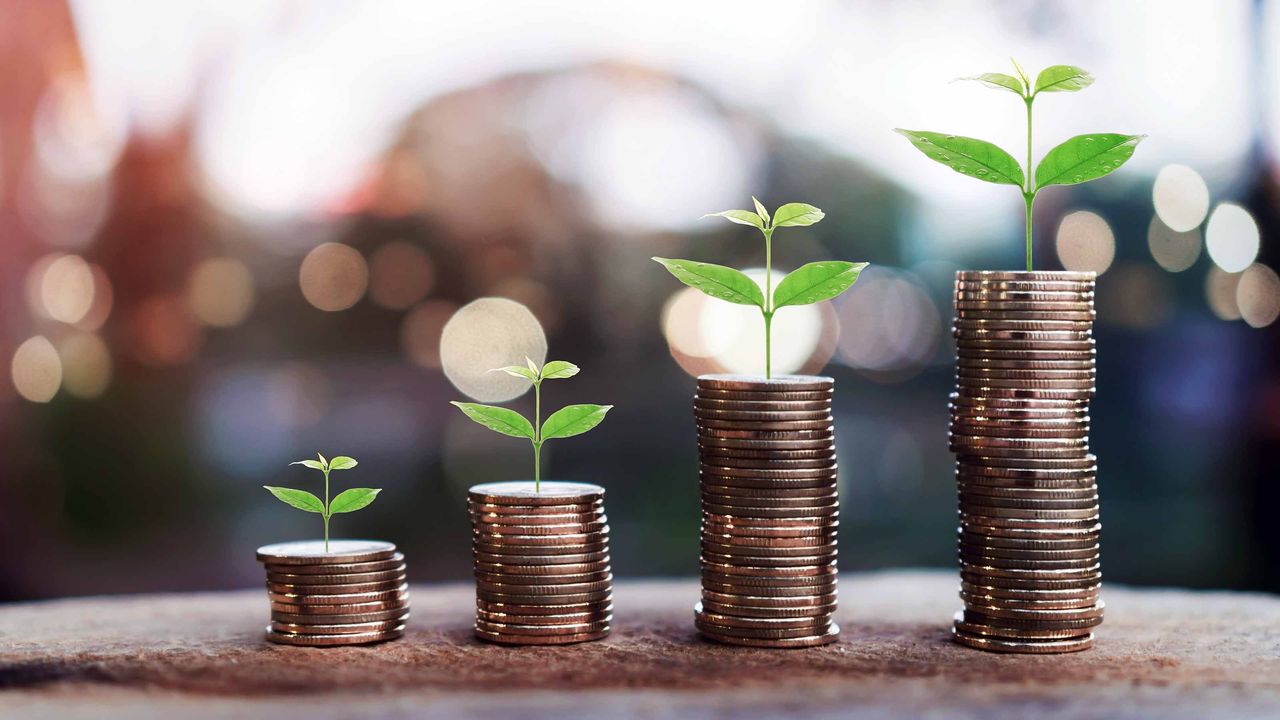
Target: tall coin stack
[(1028, 495), (541, 563), (769, 510), (353, 594)]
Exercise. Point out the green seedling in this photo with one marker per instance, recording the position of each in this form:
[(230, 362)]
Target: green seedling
[(346, 501), (1078, 160), (808, 284), (566, 422)]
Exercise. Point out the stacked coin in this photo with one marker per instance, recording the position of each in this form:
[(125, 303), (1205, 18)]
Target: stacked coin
[(1029, 521), (769, 510), (354, 593), (541, 563)]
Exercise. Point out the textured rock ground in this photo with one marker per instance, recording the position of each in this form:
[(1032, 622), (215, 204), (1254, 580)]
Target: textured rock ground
[(1161, 653)]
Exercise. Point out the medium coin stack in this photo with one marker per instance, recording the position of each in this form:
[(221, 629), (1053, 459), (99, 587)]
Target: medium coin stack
[(769, 510), (1028, 495), (541, 563), (352, 594)]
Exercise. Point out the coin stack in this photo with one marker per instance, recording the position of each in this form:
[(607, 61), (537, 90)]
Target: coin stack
[(1028, 495), (352, 594), (541, 563), (769, 510)]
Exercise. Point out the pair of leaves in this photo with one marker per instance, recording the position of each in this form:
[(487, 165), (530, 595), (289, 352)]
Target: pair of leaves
[(346, 501), (1055, 78), (1080, 159), (342, 462), (554, 370), (566, 422), (808, 284), (789, 215)]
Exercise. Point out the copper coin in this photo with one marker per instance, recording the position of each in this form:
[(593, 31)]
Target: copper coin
[(713, 500), (813, 514), (289, 608), (1021, 554), (558, 552), (768, 474), (503, 521), (737, 566), (803, 611), (716, 404), (1087, 365), (338, 629), (823, 490), (1065, 480), (977, 312), (722, 418), (756, 633), (1083, 542), (543, 569), (567, 629), (365, 638), (573, 540), (1043, 402), (368, 617), (1031, 300), (790, 430), (826, 454), (543, 598), (1030, 276), (967, 447), (985, 444), (973, 521), (1022, 634), (391, 563), (313, 552), (819, 622), (496, 580), (352, 598), (1060, 533), (583, 608), (960, 431), (1024, 564), (1026, 493), (728, 532), (1066, 603), (505, 639), (973, 354), (541, 560), (1043, 647), (815, 584), (1017, 467), (510, 588), (391, 584), (739, 589), (770, 601), (1033, 579), (821, 443), (1089, 511), (759, 384), (793, 543), (593, 616), (1039, 503), (1011, 616), (1083, 592), (783, 561), (729, 548), (831, 635), (396, 573), (1012, 393), (1029, 629), (964, 370), (710, 460), (490, 531), (806, 484), (490, 509), (523, 493), (754, 396)]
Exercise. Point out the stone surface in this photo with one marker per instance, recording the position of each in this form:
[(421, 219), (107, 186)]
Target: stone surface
[(1161, 653)]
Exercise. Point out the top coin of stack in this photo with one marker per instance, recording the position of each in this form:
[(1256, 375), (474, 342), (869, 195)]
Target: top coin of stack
[(541, 563), (769, 510), (353, 594), (1029, 521)]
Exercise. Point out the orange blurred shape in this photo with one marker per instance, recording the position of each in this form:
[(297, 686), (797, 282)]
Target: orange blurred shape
[(162, 332)]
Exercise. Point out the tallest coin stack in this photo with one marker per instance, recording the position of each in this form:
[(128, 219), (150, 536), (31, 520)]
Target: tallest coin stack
[(1029, 522)]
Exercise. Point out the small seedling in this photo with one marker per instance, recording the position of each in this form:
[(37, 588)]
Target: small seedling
[(346, 501), (808, 284), (566, 422), (1078, 160)]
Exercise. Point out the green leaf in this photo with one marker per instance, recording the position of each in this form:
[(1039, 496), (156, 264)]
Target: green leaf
[(313, 464), (558, 370), (760, 209), (967, 156), (322, 460), (300, 499), (573, 420), (1026, 80), (999, 81), (498, 419), (342, 462), (742, 217), (533, 367), (352, 500), (1063, 78), (796, 215), (1084, 158), (718, 281), (518, 371), (816, 282)]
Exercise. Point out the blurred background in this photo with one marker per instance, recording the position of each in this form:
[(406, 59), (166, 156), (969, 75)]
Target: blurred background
[(233, 234)]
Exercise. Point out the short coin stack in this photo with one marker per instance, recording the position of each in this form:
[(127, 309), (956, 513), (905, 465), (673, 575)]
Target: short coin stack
[(1029, 521), (769, 510), (541, 563), (353, 594)]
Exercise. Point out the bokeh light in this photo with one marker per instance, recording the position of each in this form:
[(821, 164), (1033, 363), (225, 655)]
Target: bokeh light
[(1181, 197), (1232, 237), (298, 394), (103, 299), (86, 365), (61, 287), (1135, 296), (36, 370), (221, 292), (164, 332), (1172, 250), (1220, 293), (400, 275), (1085, 242), (421, 330), (1258, 295), (889, 327), (333, 277), (486, 334)]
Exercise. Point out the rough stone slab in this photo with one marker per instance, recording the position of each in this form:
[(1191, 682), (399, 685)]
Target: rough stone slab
[(1160, 653)]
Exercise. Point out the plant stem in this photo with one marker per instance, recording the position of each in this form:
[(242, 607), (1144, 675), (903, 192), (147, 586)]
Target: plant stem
[(537, 437), (326, 510), (1028, 193), (768, 303)]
